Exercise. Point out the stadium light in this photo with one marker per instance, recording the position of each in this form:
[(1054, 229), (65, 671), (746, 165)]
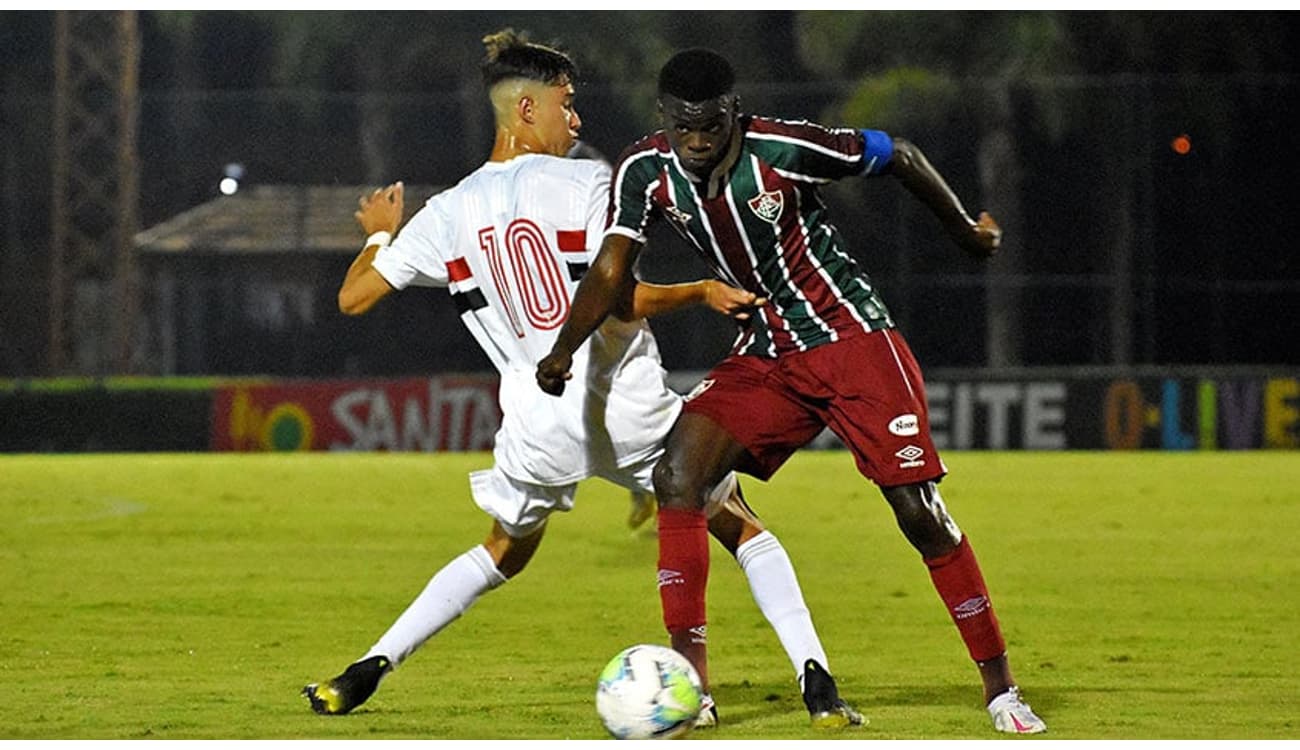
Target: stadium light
[(231, 175)]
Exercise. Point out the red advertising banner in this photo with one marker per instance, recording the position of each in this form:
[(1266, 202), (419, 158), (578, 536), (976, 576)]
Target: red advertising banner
[(454, 413), (460, 413)]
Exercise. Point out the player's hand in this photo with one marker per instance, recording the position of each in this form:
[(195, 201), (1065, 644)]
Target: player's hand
[(984, 239), (730, 301), (553, 371), (381, 211)]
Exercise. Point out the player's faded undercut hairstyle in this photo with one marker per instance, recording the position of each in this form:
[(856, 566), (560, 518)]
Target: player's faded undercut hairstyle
[(510, 55), (696, 74)]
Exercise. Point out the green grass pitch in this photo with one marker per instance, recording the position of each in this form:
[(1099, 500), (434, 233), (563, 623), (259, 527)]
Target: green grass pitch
[(1143, 596)]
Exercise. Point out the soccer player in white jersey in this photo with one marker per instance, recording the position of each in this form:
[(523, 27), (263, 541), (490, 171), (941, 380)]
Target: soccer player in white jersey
[(510, 242)]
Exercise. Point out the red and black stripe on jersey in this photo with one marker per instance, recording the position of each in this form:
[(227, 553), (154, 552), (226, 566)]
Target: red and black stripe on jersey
[(764, 226), (574, 245), (467, 297), (465, 293)]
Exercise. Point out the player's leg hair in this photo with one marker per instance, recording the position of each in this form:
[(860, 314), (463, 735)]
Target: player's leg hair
[(923, 518)]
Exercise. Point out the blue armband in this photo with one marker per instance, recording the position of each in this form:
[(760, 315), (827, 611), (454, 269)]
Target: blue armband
[(877, 150)]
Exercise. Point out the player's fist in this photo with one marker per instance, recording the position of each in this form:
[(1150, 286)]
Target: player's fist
[(381, 210), (985, 237), (730, 301), (553, 370)]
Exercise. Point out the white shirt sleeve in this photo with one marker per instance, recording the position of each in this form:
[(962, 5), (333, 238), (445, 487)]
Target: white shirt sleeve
[(413, 258)]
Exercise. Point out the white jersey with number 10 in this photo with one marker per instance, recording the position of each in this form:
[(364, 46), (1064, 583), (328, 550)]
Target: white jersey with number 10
[(511, 242)]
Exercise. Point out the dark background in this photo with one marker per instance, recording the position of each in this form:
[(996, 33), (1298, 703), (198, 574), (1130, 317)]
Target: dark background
[(1120, 250)]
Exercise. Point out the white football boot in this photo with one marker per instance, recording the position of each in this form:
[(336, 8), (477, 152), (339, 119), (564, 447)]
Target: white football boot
[(1014, 716), (708, 717)]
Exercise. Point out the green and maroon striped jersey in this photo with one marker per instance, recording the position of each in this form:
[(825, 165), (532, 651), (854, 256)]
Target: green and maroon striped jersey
[(760, 224)]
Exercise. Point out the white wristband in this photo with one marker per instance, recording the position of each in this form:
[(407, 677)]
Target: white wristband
[(379, 238)]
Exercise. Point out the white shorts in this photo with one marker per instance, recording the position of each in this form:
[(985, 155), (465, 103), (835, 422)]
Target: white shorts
[(522, 507)]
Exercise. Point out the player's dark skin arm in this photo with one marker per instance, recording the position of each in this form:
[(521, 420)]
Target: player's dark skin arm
[(979, 238), (608, 285)]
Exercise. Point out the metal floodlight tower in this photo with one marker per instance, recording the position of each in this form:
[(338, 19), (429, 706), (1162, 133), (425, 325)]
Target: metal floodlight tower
[(95, 191)]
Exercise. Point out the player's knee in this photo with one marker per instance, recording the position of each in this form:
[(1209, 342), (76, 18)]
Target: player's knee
[(917, 520), (676, 488)]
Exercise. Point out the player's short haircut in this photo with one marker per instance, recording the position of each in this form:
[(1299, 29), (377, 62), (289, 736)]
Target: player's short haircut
[(511, 55), (696, 74)]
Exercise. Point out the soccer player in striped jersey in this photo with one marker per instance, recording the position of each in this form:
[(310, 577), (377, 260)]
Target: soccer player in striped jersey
[(743, 192), (510, 243)]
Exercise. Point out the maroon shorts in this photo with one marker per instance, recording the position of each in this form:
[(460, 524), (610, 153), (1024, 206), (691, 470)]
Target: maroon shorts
[(867, 389)]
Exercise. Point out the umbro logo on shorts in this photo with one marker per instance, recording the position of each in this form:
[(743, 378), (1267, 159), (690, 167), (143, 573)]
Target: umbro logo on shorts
[(911, 456)]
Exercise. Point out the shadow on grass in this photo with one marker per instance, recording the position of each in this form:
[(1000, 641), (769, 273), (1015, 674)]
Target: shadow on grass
[(745, 701)]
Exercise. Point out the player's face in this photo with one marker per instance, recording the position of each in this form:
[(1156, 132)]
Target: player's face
[(699, 132), (557, 121)]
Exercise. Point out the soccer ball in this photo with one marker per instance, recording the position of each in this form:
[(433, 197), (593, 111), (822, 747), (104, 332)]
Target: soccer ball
[(648, 692)]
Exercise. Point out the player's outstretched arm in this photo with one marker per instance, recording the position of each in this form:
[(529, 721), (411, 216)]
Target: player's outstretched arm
[(608, 281), (363, 286), (649, 300), (979, 238)]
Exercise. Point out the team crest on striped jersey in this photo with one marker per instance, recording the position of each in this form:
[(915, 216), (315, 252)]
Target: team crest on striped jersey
[(767, 205)]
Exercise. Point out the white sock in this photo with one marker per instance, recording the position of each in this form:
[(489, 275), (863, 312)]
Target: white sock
[(776, 591), (447, 595)]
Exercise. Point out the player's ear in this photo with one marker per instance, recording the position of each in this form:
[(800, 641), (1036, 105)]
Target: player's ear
[(526, 108)]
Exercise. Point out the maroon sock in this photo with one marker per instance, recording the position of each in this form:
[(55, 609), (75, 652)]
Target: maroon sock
[(683, 576), (957, 578)]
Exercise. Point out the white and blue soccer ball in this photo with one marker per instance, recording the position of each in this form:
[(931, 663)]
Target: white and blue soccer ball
[(648, 692)]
